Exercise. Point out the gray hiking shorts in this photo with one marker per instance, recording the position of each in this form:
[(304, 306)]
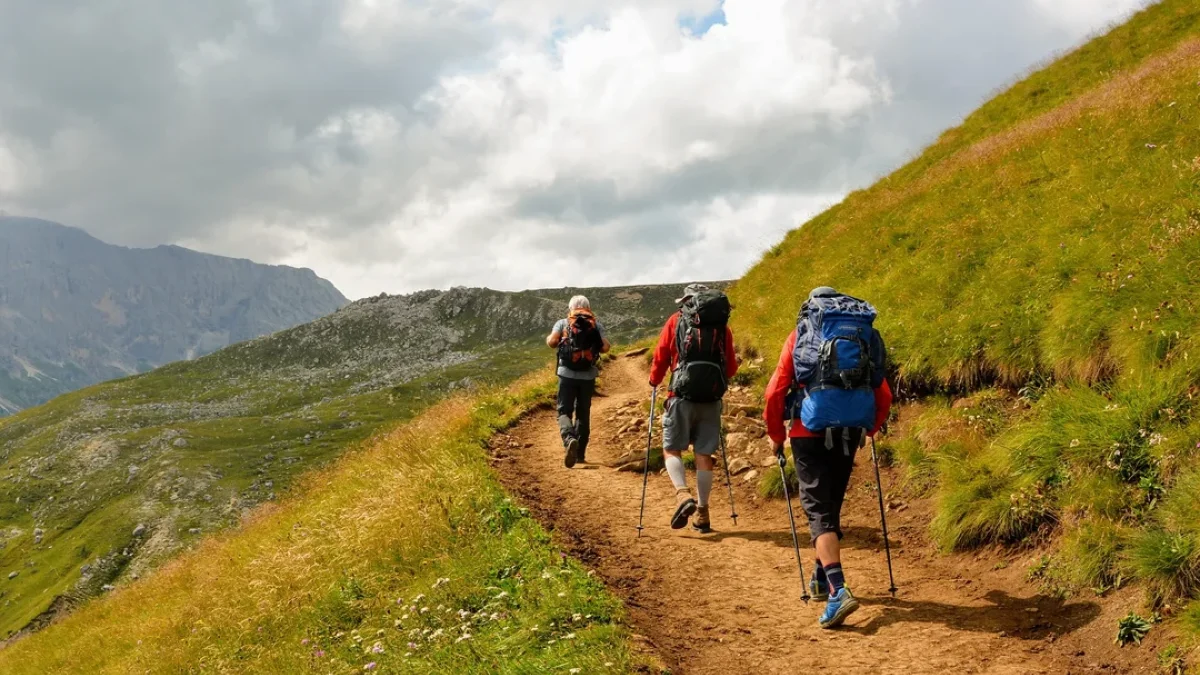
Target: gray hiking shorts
[(688, 423)]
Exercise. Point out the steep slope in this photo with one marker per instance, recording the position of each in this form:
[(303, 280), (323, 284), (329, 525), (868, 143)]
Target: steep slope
[(75, 311), (403, 557), (1037, 271), (100, 485)]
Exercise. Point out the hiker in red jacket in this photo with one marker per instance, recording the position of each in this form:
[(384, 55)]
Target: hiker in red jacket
[(696, 345), (825, 460)]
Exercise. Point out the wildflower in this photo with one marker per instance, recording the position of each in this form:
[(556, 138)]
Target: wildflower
[(380, 632), (424, 610), (437, 634), (377, 648), (462, 614), (562, 595), (369, 666), (399, 601), (412, 646), (575, 671), (419, 598), (304, 642), (440, 582), (465, 636), (547, 575), (569, 636), (320, 653), (1075, 443), (577, 617)]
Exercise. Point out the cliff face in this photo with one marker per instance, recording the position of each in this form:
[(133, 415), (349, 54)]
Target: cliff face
[(75, 311)]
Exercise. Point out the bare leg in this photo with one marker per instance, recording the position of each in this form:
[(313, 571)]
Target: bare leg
[(829, 549)]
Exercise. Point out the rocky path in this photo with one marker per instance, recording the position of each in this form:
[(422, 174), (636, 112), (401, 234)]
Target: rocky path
[(729, 602)]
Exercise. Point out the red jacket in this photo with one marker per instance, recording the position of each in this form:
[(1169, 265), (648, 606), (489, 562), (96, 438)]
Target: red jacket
[(666, 355), (781, 384)]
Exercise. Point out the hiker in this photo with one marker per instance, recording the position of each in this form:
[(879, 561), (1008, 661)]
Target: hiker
[(831, 384), (696, 345), (580, 341)]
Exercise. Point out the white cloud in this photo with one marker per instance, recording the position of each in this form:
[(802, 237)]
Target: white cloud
[(509, 143)]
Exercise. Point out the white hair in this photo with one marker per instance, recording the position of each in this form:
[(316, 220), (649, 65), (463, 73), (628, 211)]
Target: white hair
[(579, 302)]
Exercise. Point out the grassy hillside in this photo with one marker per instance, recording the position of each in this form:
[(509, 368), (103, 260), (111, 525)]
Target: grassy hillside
[(99, 486), (1038, 275), (404, 556)]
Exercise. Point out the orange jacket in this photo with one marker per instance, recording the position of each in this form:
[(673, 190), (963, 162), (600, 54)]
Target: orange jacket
[(781, 384), (666, 355)]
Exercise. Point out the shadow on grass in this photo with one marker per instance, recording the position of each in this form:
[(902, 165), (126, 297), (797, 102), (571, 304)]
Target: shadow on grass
[(1024, 618)]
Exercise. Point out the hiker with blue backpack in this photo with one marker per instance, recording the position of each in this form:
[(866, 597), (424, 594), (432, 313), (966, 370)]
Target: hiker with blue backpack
[(579, 340), (831, 384)]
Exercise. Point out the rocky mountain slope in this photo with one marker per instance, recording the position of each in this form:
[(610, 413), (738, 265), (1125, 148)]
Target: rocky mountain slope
[(100, 485), (75, 311)]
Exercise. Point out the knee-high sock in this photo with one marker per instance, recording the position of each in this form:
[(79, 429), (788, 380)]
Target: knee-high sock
[(837, 579), (676, 472), (704, 481)]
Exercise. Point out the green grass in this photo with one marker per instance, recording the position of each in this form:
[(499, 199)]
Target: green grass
[(1035, 271), (88, 467), (341, 576)]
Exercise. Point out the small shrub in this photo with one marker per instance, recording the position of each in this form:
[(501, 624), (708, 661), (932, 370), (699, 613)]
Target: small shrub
[(983, 501), (920, 466), (1132, 629)]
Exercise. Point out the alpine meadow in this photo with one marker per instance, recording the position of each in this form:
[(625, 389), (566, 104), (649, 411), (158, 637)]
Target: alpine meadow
[(1036, 275), (382, 490)]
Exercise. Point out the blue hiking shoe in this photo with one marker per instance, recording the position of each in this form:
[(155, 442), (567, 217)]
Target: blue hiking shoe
[(840, 605), (819, 590)]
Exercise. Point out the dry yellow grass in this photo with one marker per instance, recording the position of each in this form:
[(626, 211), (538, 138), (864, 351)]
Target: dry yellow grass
[(311, 585)]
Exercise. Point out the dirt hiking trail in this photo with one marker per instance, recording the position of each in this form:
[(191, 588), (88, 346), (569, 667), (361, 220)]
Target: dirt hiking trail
[(729, 602)]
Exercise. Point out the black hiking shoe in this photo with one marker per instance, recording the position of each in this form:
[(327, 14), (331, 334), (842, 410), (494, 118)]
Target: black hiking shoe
[(572, 448), (687, 506)]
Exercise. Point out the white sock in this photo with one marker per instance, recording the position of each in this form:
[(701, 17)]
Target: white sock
[(675, 471), (704, 481)]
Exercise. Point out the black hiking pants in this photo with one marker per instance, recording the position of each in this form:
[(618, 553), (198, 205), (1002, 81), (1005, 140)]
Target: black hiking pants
[(575, 411), (824, 475)]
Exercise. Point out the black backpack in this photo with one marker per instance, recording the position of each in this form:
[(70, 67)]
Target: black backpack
[(699, 373), (579, 349)]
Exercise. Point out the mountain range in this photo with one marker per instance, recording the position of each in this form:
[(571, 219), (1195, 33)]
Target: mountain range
[(75, 311)]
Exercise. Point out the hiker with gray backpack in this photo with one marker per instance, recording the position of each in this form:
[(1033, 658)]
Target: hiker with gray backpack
[(579, 340), (831, 384), (696, 346)]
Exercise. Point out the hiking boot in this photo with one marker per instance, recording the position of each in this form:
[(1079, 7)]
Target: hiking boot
[(819, 590), (572, 448), (840, 605), (701, 523), (684, 510)]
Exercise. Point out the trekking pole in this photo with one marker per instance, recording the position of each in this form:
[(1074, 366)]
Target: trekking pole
[(728, 476), (887, 547), (795, 540), (646, 465)]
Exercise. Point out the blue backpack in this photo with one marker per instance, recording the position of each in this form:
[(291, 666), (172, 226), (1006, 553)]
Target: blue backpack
[(839, 360)]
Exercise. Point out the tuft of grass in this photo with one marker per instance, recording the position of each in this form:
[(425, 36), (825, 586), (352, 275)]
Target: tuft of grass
[(770, 485), (1091, 556), (340, 576), (1168, 562)]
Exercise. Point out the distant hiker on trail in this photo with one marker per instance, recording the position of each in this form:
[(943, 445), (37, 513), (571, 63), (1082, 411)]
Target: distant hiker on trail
[(696, 345), (830, 382), (580, 341)]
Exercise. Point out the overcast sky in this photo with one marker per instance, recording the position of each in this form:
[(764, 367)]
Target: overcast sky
[(399, 145)]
